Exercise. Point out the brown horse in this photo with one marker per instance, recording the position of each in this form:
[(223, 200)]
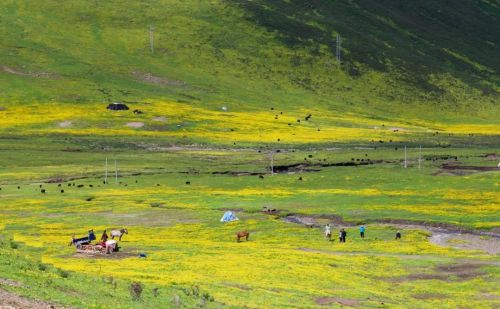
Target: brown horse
[(242, 234)]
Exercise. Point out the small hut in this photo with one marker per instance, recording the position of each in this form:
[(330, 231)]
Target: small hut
[(117, 106)]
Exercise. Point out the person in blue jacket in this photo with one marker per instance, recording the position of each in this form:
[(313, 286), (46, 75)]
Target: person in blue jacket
[(362, 230)]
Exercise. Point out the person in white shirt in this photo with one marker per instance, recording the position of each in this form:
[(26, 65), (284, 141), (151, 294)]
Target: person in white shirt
[(328, 232), (110, 246)]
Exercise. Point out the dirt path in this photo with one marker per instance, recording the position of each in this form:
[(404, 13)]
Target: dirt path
[(444, 236), (32, 74), (487, 242), (9, 300), (466, 242), (65, 124), (135, 124)]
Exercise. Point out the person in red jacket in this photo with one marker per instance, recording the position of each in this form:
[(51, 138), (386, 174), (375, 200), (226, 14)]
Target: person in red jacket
[(104, 236)]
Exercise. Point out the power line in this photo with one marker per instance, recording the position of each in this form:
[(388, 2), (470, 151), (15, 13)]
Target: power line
[(419, 156), (151, 39), (406, 165), (272, 163), (106, 172), (116, 173), (338, 45)]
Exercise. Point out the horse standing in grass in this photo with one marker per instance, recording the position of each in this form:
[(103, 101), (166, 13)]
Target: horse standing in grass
[(118, 233), (242, 234)]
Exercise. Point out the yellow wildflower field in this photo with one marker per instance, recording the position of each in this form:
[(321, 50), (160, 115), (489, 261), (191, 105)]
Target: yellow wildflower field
[(201, 123)]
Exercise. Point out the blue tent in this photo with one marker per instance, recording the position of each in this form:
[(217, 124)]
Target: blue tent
[(228, 217)]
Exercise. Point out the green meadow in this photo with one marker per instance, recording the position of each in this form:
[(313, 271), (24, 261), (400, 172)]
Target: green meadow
[(171, 202)]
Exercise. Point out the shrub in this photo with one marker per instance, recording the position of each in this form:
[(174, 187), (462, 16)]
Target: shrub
[(191, 291), (208, 297), (63, 273), (136, 290), (176, 301), (13, 244), (156, 292)]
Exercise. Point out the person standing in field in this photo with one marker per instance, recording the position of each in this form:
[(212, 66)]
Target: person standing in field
[(344, 234), (340, 235), (362, 231), (328, 232), (398, 235), (104, 236), (110, 246)]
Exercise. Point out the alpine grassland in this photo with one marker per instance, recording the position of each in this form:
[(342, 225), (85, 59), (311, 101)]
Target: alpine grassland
[(290, 114)]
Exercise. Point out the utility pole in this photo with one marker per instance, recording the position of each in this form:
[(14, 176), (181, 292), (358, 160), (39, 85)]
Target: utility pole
[(405, 158), (116, 173), (419, 156), (272, 163), (151, 38), (106, 172), (337, 53)]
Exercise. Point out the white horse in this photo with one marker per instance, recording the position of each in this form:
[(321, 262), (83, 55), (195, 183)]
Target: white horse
[(118, 233)]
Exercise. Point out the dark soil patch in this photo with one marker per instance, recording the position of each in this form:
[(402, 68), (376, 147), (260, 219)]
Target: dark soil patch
[(463, 271), (429, 296), (72, 150), (451, 272), (234, 173), (492, 157), (56, 180), (463, 170), (300, 167), (325, 301), (488, 296), (238, 286), (11, 300), (112, 256), (312, 220), (467, 167), (439, 157), (414, 277), (453, 172), (272, 212), (336, 220), (10, 282), (314, 167), (305, 220)]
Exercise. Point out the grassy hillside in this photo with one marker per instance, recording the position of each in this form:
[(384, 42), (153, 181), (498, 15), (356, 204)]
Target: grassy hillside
[(432, 61), (243, 105)]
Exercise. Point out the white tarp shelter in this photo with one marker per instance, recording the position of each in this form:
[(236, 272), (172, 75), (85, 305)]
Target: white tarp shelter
[(228, 217)]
